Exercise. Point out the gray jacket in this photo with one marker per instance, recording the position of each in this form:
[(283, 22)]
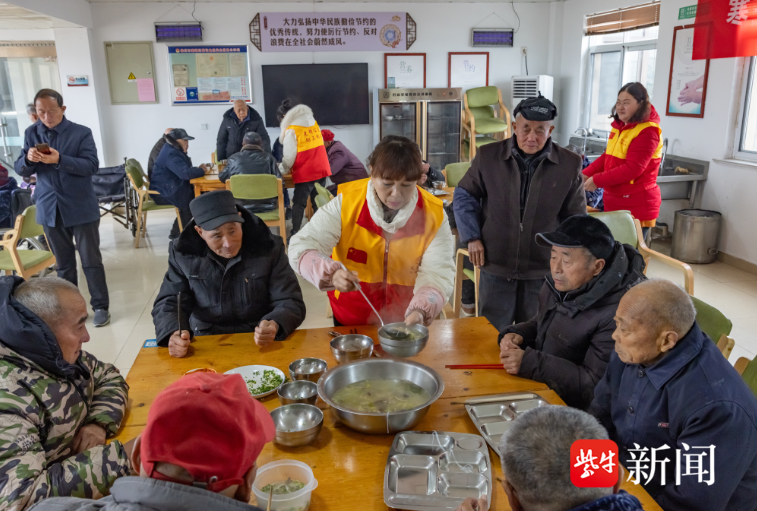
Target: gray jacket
[(141, 494)]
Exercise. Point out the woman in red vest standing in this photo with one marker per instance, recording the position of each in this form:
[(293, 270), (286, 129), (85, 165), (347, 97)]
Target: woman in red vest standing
[(304, 156), (629, 166), (392, 237)]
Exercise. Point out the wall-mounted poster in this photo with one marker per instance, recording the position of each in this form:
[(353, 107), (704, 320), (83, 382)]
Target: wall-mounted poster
[(468, 69), (208, 74), (332, 31), (687, 86), (404, 70)]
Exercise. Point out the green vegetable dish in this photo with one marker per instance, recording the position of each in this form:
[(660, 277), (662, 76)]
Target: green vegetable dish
[(288, 486), (263, 381)]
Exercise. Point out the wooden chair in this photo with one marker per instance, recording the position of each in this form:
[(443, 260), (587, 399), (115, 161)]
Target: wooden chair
[(145, 204), (320, 201), (715, 325), (482, 124), (24, 262), (454, 172), (626, 229), (462, 274), (323, 192), (748, 371), (261, 186)]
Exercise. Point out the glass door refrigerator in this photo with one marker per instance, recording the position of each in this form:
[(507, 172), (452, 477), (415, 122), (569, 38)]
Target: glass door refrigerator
[(430, 117)]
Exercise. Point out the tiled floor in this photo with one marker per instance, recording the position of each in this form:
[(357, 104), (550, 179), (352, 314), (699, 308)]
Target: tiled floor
[(134, 277)]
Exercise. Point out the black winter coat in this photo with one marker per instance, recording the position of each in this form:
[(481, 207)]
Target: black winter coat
[(252, 159), (569, 342), (231, 133), (255, 285), (154, 155)]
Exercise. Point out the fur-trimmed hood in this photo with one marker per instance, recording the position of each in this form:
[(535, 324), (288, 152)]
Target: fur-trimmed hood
[(300, 115), (257, 239)]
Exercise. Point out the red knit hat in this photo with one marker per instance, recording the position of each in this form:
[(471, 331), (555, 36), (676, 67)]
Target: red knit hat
[(208, 424), (327, 135)]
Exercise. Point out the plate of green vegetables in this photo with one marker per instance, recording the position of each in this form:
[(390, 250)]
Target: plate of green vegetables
[(261, 380)]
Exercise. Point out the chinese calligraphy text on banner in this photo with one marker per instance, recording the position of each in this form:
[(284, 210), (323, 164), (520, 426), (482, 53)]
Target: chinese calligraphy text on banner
[(333, 31), (725, 28)]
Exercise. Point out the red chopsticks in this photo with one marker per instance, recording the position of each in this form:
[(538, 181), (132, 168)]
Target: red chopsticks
[(475, 366)]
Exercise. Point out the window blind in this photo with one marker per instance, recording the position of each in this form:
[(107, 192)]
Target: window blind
[(623, 20)]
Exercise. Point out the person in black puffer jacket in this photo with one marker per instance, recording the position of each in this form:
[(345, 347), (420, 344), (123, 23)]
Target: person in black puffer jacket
[(252, 159), (238, 121), (569, 342)]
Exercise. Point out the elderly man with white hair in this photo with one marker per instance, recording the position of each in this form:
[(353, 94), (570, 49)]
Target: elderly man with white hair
[(515, 189), (535, 454), (684, 421), (237, 122)]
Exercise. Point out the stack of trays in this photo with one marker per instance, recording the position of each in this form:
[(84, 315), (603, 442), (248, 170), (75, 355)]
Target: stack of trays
[(428, 470), (493, 415)]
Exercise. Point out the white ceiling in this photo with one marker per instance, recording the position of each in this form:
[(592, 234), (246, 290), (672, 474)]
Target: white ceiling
[(18, 18), (325, 1)]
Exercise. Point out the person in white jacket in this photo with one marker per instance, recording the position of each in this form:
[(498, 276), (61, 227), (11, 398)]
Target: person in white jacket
[(384, 234), (304, 155)]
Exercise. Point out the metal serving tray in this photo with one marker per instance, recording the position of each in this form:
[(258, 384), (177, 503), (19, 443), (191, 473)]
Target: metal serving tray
[(493, 417), (436, 470)]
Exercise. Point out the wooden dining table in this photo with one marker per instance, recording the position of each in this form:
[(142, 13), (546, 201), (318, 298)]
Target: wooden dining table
[(348, 465)]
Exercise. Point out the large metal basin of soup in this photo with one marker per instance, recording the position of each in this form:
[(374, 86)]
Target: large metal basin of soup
[(382, 396)]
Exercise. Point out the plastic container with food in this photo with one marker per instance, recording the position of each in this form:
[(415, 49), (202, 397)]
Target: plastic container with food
[(279, 473)]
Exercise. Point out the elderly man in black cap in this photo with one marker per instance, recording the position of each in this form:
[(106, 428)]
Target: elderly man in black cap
[(514, 189), (568, 344), (171, 175), (232, 276)]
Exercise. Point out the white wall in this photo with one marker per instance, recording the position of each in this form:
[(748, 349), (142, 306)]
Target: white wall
[(72, 11), (133, 129), (27, 34), (74, 49), (730, 188)]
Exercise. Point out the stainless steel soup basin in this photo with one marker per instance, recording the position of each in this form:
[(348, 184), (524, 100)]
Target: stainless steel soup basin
[(380, 369)]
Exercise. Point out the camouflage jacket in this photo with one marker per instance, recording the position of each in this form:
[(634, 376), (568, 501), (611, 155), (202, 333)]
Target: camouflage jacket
[(40, 414)]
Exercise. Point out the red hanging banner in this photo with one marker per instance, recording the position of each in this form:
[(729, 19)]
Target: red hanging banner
[(725, 28)]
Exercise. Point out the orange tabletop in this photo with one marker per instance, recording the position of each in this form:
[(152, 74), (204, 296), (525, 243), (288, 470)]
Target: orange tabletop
[(210, 182), (341, 458)]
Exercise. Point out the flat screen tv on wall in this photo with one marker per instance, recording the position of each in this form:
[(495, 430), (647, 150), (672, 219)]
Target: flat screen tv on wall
[(337, 93)]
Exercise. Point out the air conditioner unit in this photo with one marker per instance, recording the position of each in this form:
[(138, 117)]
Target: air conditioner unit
[(524, 87)]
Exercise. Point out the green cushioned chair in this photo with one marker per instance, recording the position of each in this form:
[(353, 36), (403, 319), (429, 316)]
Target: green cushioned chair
[(626, 229), (748, 371), (715, 325), (482, 123), (24, 262), (257, 187), (320, 201), (145, 204), (323, 192), (454, 172)]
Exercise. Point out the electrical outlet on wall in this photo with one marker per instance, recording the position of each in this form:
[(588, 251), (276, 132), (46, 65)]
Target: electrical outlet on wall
[(203, 126), (524, 51)]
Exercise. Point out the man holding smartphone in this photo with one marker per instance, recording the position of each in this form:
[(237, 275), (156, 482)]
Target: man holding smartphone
[(63, 155)]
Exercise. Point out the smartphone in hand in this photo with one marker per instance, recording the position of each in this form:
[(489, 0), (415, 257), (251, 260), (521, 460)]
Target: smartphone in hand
[(43, 148)]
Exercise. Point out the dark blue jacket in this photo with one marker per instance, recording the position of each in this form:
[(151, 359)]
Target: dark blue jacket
[(692, 396), (66, 186), (171, 174), (620, 501)]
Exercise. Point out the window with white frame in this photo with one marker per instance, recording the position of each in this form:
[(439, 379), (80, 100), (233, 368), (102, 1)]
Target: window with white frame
[(614, 60), (745, 145)]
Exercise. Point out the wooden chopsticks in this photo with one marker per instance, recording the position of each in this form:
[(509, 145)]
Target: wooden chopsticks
[(475, 366)]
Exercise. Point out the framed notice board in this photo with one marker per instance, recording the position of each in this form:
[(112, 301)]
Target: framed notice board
[(131, 72), (206, 75)]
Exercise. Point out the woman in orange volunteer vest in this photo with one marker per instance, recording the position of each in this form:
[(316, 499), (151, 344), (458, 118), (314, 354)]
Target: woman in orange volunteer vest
[(629, 166), (393, 237), (304, 156)]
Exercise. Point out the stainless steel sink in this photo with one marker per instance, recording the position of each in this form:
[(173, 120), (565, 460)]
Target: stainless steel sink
[(674, 185)]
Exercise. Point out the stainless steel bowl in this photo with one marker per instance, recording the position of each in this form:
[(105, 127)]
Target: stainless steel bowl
[(400, 348), (351, 347), (300, 391), (310, 369), (298, 424), (380, 369)]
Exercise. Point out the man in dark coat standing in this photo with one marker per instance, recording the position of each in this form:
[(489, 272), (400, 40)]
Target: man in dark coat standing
[(569, 342), (233, 276), (236, 122), (514, 189), (345, 166), (155, 153), (63, 155)]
